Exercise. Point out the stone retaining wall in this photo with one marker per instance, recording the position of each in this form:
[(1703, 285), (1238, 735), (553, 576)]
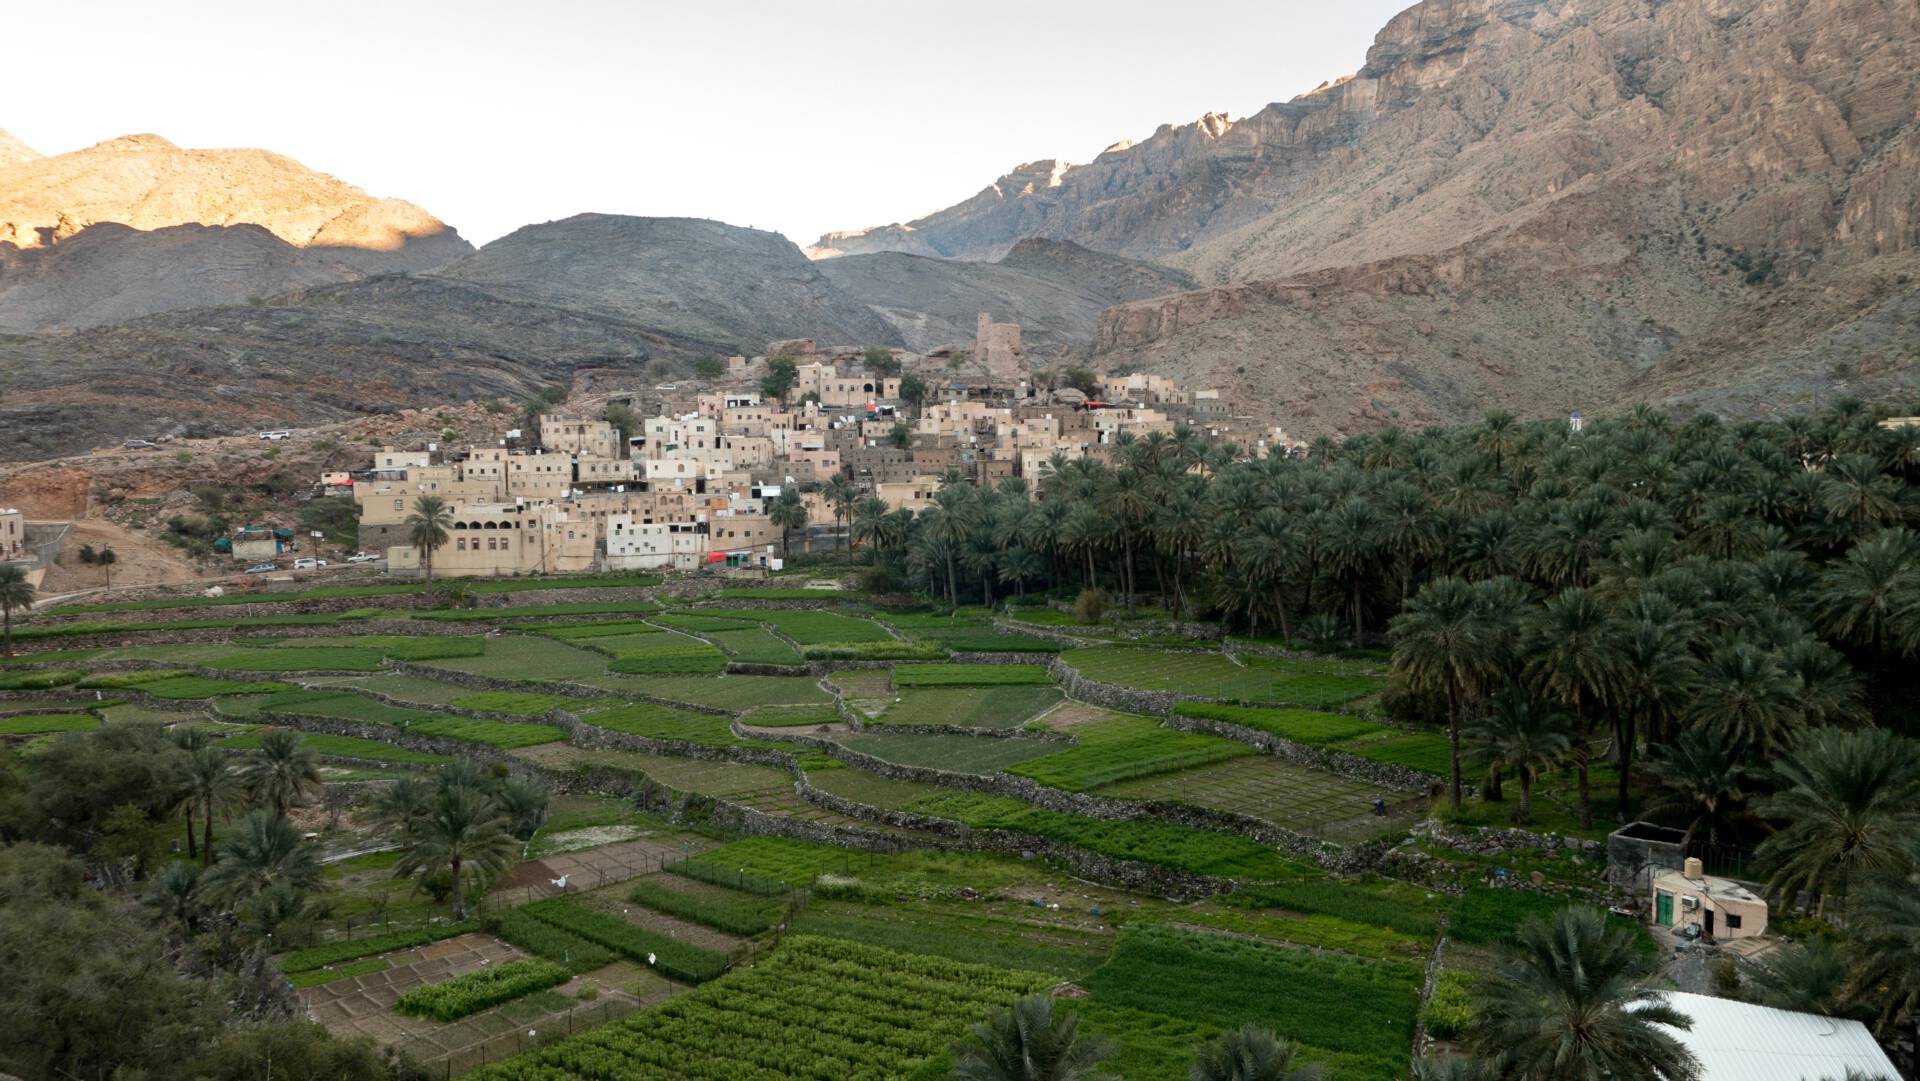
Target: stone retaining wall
[(1109, 695)]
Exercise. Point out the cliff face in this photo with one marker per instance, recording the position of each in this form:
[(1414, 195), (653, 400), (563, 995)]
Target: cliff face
[(146, 182), (1578, 196)]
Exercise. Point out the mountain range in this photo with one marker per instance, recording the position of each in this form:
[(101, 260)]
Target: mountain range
[(1538, 205)]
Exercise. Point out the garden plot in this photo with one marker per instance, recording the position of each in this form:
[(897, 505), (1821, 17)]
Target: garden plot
[(1070, 714), (615, 903), (783, 802), (344, 705), (1124, 748), (1315, 684), (528, 658), (362, 1005), (816, 1008), (953, 753), (1424, 751), (970, 675), (810, 628), (40, 724), (592, 868), (664, 722), (659, 652), (729, 692), (754, 645), (961, 933), (342, 747), (719, 779), (1260, 786), (967, 707), (863, 682)]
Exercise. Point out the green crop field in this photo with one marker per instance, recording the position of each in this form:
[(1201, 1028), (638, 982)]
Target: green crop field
[(530, 659), (813, 628), (39, 681), (662, 652), (1425, 751), (185, 687), (342, 704), (818, 1008), (729, 692), (536, 611), (1268, 788), (491, 733), (719, 779), (1356, 1015), (1179, 847), (515, 702), (568, 632), (1124, 748), (969, 707), (699, 621), (722, 909), (754, 645), (342, 747), (405, 647), (1065, 952), (954, 753), (970, 675), (675, 959), (663, 722), (35, 724), (1316, 684)]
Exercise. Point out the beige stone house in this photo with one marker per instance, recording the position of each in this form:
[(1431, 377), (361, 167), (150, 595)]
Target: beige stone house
[(1724, 909)]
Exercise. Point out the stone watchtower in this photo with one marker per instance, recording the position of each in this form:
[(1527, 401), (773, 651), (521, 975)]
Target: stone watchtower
[(997, 345)]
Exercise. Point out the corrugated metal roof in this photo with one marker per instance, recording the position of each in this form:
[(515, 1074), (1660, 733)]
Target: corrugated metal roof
[(1739, 1041)]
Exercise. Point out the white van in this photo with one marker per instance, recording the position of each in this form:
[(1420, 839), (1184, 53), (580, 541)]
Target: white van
[(275, 435)]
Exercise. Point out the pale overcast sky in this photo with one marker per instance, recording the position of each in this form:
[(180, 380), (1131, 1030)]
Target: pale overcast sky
[(800, 116)]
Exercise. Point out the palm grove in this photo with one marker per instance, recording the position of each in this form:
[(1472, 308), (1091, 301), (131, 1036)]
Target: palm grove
[(1707, 623), (148, 876)]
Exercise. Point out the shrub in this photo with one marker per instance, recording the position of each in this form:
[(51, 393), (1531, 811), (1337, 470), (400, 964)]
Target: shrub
[(1450, 1010), (453, 999), (1090, 606)]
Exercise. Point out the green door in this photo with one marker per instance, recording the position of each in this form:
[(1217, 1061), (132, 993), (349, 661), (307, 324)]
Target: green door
[(1663, 909)]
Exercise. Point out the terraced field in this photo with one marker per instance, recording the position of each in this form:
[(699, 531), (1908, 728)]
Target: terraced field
[(967, 707), (529, 659), (1317, 684), (1261, 786), (954, 753)]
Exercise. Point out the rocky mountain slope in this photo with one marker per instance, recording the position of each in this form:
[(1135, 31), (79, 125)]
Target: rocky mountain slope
[(1538, 204), (1056, 290), (732, 289), (13, 151), (137, 225)]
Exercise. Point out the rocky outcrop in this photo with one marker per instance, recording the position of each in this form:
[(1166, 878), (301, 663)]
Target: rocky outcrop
[(146, 182), (1055, 291)]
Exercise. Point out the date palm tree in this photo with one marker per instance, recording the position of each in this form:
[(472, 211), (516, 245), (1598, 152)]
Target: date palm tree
[(16, 594), (841, 495), (1888, 973), (1577, 657), (467, 834), (264, 850), (427, 528), (282, 773), (1745, 693), (174, 894), (789, 513), (1524, 735), (1850, 804), (1871, 597), (1700, 774), (1450, 1068), (1568, 1003), (1029, 1043), (1440, 646), (402, 806), (215, 787), (1251, 1053)]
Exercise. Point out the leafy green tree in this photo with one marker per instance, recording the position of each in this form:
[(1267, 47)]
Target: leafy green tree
[(913, 391), (283, 773), (624, 420), (900, 435), (880, 360), (427, 528), (1251, 1053), (1030, 1043), (468, 835), (263, 850), (782, 375), (709, 367), (76, 783), (1568, 1002), (1849, 807), (16, 595)]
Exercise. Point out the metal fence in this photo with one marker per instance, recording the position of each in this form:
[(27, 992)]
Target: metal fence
[(446, 1063)]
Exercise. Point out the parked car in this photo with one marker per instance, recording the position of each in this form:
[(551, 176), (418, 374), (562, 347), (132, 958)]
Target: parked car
[(137, 444), (363, 557), (308, 564), (260, 568)]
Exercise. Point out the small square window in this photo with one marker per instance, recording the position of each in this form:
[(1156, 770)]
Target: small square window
[(1733, 922)]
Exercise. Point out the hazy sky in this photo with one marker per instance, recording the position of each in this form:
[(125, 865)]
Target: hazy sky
[(800, 116)]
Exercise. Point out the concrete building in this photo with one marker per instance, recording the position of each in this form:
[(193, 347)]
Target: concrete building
[(997, 345), (578, 435), (13, 534), (1722, 908), (644, 546), (498, 539)]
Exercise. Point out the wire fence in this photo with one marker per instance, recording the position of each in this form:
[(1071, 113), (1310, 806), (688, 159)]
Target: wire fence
[(447, 1062)]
